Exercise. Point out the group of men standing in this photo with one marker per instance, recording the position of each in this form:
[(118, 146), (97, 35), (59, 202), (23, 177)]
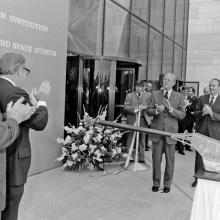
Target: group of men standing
[(28, 112), (167, 108)]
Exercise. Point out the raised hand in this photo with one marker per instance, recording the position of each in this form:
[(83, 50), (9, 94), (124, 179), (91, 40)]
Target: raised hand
[(160, 108), (19, 111), (205, 110), (42, 93)]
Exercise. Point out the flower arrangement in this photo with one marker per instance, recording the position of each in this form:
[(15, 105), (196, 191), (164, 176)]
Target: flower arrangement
[(90, 144)]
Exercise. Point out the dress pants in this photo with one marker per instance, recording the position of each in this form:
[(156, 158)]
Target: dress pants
[(13, 198), (142, 138), (157, 151)]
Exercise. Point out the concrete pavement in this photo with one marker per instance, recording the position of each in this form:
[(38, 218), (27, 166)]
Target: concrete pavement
[(69, 195)]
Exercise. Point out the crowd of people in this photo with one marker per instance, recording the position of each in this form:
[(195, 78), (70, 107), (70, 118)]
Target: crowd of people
[(174, 112)]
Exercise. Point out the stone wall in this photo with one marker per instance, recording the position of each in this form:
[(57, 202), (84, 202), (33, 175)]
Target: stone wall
[(203, 56)]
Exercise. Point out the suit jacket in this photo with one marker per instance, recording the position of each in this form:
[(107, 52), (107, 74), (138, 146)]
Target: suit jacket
[(9, 131), (166, 121), (205, 124), (131, 102), (19, 153)]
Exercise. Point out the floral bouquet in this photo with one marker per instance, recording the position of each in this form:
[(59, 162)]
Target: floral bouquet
[(90, 144)]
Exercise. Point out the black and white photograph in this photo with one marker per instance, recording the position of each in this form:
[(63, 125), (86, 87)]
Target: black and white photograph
[(109, 110)]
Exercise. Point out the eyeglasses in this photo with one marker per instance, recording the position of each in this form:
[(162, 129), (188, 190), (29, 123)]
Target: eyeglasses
[(28, 71)]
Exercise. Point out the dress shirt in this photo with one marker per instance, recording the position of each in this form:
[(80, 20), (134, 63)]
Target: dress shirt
[(169, 92)]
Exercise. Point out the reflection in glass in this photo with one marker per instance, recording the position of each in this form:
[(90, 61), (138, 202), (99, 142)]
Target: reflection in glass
[(185, 23), (177, 67), (138, 42), (154, 56), (125, 3), (156, 18), (124, 84), (184, 65), (95, 85), (71, 96), (179, 21), (167, 56), (85, 26), (169, 18), (141, 9), (88, 71), (116, 31)]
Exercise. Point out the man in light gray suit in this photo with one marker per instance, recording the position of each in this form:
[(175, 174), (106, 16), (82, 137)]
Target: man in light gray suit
[(9, 131), (134, 101), (166, 106)]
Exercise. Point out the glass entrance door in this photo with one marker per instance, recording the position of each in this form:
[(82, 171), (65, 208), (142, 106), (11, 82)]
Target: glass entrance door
[(71, 96), (125, 78)]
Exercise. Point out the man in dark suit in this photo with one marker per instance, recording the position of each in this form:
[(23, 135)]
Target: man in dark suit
[(13, 71), (9, 131), (207, 115), (167, 106), (187, 123), (135, 101)]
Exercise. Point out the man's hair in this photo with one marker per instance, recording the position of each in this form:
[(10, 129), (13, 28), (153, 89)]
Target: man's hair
[(217, 81), (139, 83), (174, 76), (10, 62)]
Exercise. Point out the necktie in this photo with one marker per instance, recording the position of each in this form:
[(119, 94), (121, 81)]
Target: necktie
[(211, 101), (166, 95)]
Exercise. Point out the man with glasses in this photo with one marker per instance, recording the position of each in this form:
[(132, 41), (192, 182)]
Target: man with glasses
[(12, 73)]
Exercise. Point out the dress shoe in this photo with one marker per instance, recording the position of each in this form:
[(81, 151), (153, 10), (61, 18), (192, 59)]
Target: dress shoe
[(194, 184), (181, 152), (131, 159), (166, 189), (141, 161), (155, 188)]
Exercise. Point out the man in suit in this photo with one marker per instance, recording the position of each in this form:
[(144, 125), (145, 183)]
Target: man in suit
[(187, 123), (207, 115), (13, 72), (9, 131), (134, 102), (206, 90), (167, 106)]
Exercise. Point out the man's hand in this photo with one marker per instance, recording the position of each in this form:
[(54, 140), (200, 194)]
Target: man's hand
[(167, 104), (205, 110), (160, 108), (19, 111), (40, 94), (141, 107)]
